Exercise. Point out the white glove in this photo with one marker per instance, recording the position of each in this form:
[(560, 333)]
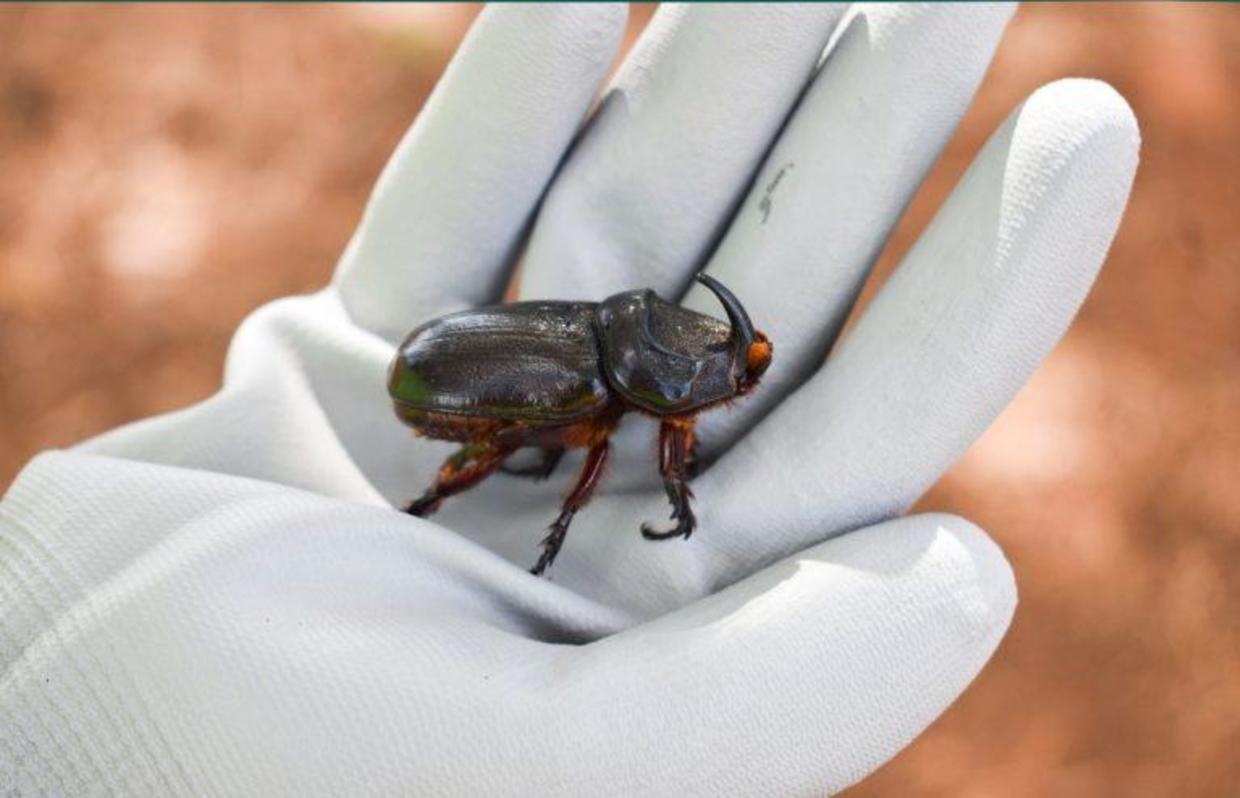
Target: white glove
[(222, 601)]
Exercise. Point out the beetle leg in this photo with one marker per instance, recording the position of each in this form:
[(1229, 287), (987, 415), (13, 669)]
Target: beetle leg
[(459, 474), (590, 473), (675, 452), (542, 469), (692, 464)]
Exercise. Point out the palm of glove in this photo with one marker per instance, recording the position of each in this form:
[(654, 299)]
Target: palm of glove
[(839, 655), (820, 448)]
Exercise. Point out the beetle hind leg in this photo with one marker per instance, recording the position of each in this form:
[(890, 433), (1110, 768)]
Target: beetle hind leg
[(675, 453), (590, 474), (460, 472)]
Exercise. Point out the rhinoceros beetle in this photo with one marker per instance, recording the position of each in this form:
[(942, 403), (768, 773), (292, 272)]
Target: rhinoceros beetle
[(558, 375)]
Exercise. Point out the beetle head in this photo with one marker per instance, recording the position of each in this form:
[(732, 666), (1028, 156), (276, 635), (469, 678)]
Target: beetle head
[(751, 349), (668, 360)]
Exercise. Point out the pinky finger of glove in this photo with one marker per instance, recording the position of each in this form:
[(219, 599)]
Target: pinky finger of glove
[(808, 675)]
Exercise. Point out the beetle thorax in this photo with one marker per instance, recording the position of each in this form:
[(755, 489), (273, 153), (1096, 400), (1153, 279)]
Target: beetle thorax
[(662, 358)]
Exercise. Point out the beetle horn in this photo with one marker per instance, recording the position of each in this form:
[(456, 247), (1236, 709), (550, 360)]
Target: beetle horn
[(742, 327)]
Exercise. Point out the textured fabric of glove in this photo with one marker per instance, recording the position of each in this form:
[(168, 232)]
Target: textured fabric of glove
[(222, 601)]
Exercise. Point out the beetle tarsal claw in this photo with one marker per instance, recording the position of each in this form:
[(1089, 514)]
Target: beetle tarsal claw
[(683, 529), (678, 495), (552, 542), (424, 506)]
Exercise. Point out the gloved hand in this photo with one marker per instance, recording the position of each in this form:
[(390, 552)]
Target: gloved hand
[(222, 601)]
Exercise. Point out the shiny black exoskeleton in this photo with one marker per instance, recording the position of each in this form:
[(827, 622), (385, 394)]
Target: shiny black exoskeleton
[(558, 375)]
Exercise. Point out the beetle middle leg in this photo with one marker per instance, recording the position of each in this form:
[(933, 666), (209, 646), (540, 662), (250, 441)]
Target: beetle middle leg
[(463, 470), (590, 473), (549, 458), (675, 453)]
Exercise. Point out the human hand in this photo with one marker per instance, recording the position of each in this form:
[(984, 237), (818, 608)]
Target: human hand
[(221, 634)]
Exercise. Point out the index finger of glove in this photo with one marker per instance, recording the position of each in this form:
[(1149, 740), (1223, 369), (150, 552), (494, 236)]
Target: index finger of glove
[(450, 208)]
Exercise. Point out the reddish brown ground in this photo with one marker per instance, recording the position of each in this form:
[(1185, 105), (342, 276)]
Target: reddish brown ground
[(165, 170)]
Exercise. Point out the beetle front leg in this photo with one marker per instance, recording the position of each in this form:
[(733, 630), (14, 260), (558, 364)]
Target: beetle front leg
[(675, 451), (590, 473), (458, 474)]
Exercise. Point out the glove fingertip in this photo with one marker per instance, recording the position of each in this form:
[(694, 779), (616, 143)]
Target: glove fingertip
[(1087, 113), (992, 574)]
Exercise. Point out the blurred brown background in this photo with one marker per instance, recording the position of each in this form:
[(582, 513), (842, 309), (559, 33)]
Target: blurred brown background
[(163, 171)]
